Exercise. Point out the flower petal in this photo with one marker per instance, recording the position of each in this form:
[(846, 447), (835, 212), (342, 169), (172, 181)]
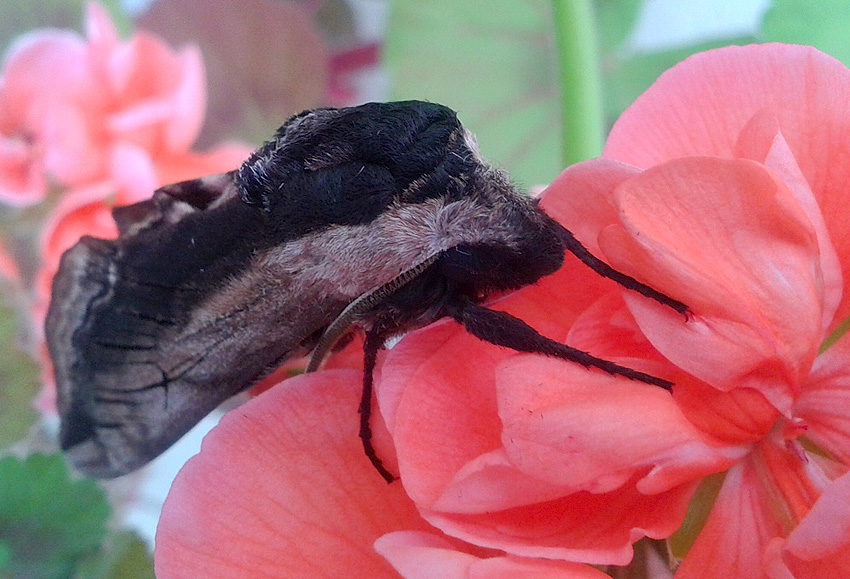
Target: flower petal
[(732, 543), (22, 179), (763, 141), (728, 239), (583, 526), (41, 68), (586, 430), (440, 409), (417, 555), (763, 498), (700, 107), (581, 198), (824, 403), (820, 545), (282, 488)]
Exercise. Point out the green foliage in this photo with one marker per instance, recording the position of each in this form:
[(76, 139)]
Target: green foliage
[(124, 556), (615, 19), (55, 527), (47, 522), (18, 376), (494, 62), (823, 24)]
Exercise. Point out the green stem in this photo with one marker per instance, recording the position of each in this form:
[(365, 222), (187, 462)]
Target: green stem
[(581, 93)]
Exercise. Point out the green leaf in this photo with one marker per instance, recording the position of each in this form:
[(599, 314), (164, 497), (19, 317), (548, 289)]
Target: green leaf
[(19, 380), (48, 522), (494, 62), (124, 556), (615, 19), (823, 24), (19, 17)]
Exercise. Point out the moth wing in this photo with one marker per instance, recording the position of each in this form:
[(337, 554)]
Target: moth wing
[(152, 331)]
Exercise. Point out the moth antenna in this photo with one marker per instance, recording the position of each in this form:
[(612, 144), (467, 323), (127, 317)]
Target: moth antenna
[(374, 342), (575, 247), (360, 305), (503, 329)]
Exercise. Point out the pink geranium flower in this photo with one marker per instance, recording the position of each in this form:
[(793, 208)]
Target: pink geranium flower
[(724, 186), (76, 111)]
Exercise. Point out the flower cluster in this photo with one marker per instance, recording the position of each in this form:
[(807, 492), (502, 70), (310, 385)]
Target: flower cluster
[(89, 123), (725, 186)]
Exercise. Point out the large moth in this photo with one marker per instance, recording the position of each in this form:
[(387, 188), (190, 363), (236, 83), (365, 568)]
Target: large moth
[(381, 217)]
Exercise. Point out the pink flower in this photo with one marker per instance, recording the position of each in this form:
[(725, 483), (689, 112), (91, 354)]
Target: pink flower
[(77, 111), (724, 186)]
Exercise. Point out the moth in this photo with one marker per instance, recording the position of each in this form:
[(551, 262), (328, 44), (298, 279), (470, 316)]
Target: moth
[(382, 217)]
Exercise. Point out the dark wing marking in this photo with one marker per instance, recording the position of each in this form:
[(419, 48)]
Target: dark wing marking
[(157, 328)]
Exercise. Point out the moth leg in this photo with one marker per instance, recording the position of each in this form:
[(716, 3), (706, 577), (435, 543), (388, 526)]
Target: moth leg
[(575, 247), (374, 342), (503, 329)]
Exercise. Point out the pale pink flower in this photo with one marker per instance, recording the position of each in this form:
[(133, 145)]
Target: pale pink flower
[(79, 111)]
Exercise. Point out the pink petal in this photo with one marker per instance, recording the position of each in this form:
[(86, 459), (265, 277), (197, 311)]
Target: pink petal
[(189, 102), (587, 430), (41, 68), (736, 418), (100, 30), (820, 545), (440, 409), (731, 242), (583, 526), (417, 555), (492, 482), (75, 152), (761, 140), (824, 403), (701, 106), (22, 180), (608, 330), (581, 198), (762, 499), (161, 96), (281, 488), (133, 173), (732, 543)]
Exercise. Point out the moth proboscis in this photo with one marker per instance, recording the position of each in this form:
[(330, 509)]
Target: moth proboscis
[(382, 217)]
